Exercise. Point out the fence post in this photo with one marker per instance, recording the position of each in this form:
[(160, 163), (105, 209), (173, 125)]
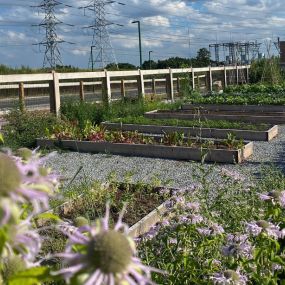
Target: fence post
[(106, 90), (247, 74), (210, 78), (225, 77), (169, 84), (178, 84), (82, 95), (140, 81), (123, 89), (237, 74), (153, 87), (193, 78), (22, 97), (55, 94)]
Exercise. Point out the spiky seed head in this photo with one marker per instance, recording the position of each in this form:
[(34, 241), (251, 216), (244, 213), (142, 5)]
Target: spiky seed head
[(110, 251), (80, 222), (263, 224), (24, 153), (274, 194), (10, 177), (43, 171), (12, 265), (230, 274)]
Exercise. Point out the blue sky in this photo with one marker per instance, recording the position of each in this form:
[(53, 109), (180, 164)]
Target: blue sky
[(168, 28)]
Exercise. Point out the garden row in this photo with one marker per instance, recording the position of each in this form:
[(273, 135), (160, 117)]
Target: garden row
[(188, 133)]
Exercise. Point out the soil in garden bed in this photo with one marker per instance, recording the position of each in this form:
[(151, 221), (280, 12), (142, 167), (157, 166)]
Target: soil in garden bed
[(140, 199)]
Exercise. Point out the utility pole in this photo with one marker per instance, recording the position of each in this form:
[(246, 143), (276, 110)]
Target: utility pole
[(52, 57), (149, 59), (102, 52), (140, 40)]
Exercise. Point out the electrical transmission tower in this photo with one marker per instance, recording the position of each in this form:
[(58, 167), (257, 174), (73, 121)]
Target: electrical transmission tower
[(102, 52), (52, 57)]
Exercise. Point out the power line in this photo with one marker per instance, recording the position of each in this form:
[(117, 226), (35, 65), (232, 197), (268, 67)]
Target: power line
[(52, 56), (101, 44)]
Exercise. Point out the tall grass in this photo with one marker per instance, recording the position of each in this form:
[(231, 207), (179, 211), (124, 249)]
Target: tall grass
[(97, 113)]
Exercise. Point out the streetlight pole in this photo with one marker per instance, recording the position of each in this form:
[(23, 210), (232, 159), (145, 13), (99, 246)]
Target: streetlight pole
[(92, 59), (140, 40), (149, 58)]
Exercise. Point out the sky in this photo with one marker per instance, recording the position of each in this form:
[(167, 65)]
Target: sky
[(169, 28)]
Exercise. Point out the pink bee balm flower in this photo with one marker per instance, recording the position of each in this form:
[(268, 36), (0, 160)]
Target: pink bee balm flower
[(213, 230), (276, 197), (24, 241), (26, 180), (229, 277), (256, 228), (104, 256), (238, 246)]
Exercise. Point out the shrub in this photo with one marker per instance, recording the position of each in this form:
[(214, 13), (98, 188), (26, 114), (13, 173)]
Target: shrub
[(24, 127)]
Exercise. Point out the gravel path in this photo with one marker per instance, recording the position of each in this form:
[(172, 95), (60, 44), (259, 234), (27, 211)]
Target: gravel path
[(179, 173)]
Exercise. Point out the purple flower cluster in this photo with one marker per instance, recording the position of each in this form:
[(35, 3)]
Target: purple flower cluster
[(24, 181), (257, 227), (276, 197), (213, 229), (229, 277), (238, 246)]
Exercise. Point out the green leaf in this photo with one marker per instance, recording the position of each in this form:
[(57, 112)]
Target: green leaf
[(3, 238), (32, 276), (1, 138)]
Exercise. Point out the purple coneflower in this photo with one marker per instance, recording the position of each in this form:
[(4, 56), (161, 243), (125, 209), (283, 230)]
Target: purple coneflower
[(229, 277), (276, 197), (256, 228), (104, 257)]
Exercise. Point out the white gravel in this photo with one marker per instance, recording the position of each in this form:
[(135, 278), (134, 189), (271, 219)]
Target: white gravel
[(180, 173)]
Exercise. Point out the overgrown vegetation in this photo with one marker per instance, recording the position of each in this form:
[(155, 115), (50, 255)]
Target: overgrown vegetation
[(141, 120), (25, 127), (81, 112), (227, 232)]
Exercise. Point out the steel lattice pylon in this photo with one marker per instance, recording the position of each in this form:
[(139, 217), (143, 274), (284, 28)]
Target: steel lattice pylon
[(102, 52), (52, 56)]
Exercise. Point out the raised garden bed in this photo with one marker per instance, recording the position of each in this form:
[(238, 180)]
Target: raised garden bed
[(267, 118), (146, 207), (239, 108), (213, 153), (250, 135)]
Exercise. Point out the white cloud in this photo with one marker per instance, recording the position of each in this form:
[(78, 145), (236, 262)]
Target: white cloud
[(167, 26)]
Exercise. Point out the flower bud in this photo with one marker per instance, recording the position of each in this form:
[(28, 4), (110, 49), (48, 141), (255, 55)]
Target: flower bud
[(24, 153), (11, 266), (80, 222), (10, 177)]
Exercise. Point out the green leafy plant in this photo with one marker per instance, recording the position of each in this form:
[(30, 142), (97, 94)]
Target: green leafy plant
[(24, 127)]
